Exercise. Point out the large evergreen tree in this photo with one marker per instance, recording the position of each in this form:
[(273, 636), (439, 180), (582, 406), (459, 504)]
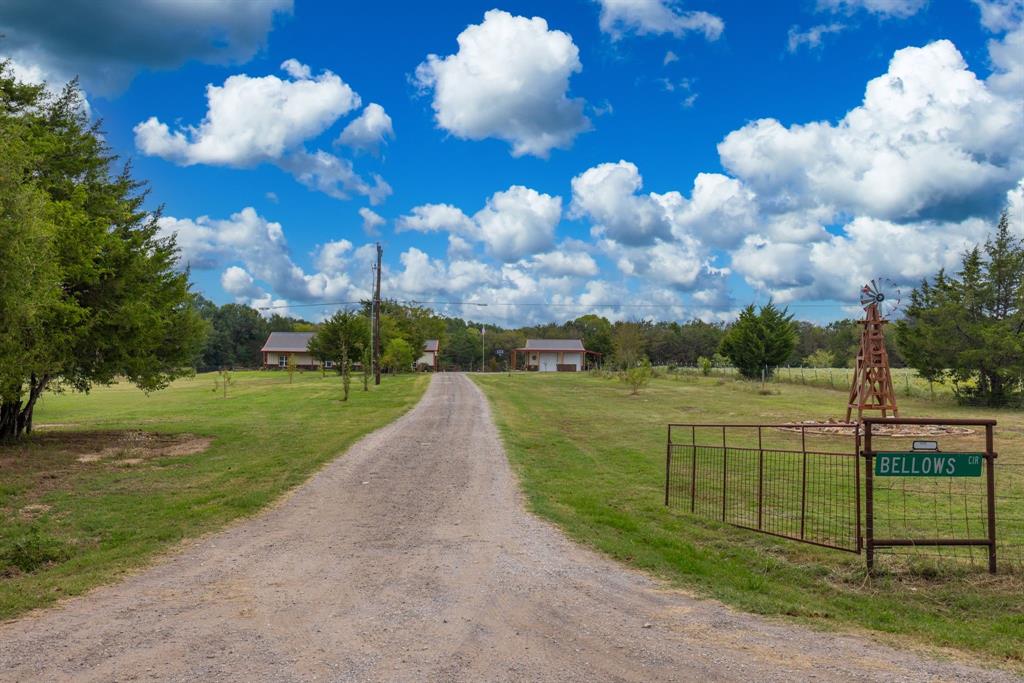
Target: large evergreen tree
[(760, 341), (105, 300), (968, 328)]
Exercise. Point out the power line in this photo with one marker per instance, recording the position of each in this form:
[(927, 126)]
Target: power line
[(416, 302)]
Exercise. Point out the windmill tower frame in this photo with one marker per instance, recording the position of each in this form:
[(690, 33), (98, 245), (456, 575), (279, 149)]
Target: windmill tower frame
[(872, 388)]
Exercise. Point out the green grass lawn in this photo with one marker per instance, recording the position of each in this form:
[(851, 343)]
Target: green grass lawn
[(77, 509), (591, 458)]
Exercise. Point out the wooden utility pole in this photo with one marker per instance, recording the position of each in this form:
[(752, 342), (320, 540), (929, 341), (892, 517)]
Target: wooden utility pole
[(376, 320)]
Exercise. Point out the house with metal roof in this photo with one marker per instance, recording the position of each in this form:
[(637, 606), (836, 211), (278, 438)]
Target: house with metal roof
[(555, 355), (431, 355), (281, 346)]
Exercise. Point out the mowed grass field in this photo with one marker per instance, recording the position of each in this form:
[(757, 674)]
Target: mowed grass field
[(906, 382), (591, 458), (111, 478)]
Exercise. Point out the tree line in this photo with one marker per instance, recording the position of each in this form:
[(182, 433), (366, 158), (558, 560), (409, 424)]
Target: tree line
[(624, 344)]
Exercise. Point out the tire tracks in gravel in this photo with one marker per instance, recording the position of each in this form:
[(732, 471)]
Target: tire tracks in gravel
[(412, 558)]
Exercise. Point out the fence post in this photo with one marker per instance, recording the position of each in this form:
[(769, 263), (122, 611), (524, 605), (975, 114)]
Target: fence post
[(760, 479), (990, 483), (725, 470), (668, 462), (856, 484), (693, 470), (869, 503), (803, 481)]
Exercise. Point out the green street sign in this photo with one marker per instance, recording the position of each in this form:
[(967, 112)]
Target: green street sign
[(910, 464)]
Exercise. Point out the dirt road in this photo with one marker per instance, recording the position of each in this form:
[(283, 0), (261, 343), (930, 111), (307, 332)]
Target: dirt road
[(411, 558)]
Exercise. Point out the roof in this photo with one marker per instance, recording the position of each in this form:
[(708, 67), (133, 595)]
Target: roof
[(554, 345), (288, 341), (430, 345)]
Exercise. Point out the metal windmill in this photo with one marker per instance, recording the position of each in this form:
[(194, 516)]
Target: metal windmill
[(872, 382)]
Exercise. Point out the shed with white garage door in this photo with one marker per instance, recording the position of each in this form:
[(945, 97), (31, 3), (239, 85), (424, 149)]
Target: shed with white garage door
[(555, 355)]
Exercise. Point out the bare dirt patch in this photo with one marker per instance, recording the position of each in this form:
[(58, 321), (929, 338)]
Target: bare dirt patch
[(125, 446), (93, 446), (30, 512)]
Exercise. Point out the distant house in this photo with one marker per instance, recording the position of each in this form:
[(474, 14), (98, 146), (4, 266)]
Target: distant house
[(431, 354), (554, 355), (281, 346)]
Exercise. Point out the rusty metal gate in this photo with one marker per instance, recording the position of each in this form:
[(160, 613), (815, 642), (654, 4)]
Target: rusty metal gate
[(923, 515), (769, 478), (804, 482)]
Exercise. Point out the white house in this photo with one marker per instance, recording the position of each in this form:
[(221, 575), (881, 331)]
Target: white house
[(554, 355), (431, 354)]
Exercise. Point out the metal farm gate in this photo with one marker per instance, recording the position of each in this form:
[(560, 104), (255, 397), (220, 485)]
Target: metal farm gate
[(768, 478), (804, 482)]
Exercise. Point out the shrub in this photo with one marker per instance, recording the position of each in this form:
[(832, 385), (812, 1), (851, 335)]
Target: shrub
[(33, 550), (638, 377), (820, 359)]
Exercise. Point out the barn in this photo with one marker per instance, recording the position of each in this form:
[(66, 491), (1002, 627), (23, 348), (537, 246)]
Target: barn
[(555, 355)]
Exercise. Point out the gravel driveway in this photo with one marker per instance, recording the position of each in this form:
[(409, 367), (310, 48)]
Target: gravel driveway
[(411, 558)]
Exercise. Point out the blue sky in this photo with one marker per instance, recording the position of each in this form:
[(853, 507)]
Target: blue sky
[(691, 156)]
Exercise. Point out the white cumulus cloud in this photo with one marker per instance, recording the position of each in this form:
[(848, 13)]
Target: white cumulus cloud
[(252, 120), (436, 218), (510, 81), (812, 37), (883, 8), (372, 221), (518, 222), (608, 194), (930, 140), (643, 17), (369, 130), (565, 263), (266, 262), (239, 283)]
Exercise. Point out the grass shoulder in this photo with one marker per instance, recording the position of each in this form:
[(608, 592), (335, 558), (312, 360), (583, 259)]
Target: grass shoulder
[(112, 478), (591, 458)]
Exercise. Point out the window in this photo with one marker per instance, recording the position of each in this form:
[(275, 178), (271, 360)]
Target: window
[(329, 364), (282, 360)]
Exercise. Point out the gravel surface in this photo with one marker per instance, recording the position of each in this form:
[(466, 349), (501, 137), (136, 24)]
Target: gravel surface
[(412, 558)]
